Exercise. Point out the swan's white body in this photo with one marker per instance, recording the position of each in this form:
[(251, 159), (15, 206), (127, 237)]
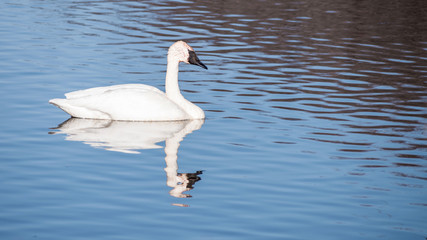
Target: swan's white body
[(137, 102)]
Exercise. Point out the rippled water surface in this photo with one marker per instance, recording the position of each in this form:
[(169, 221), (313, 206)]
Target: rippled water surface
[(316, 121)]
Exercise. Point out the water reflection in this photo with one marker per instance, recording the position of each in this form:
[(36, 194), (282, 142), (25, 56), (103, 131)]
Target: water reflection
[(129, 137)]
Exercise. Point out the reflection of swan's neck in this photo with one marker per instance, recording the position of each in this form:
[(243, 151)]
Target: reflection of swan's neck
[(173, 92), (171, 150)]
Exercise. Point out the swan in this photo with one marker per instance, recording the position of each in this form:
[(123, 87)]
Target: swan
[(138, 102)]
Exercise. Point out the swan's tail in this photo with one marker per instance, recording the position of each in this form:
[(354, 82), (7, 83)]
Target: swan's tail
[(58, 102), (64, 105), (78, 111)]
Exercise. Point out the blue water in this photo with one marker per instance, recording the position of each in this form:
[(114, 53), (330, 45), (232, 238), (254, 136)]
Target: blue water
[(316, 121)]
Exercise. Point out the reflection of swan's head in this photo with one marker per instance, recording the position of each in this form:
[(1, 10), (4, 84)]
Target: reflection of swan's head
[(190, 178), (182, 52), (185, 182)]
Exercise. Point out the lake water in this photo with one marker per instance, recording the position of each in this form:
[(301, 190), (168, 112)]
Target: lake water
[(316, 121)]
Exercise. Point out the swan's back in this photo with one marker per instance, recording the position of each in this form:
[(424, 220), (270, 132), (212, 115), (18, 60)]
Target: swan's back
[(127, 102), (100, 90)]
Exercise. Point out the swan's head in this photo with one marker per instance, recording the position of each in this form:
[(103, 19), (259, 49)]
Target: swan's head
[(184, 53)]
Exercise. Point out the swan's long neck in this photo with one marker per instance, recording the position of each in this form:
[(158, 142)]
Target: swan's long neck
[(172, 87), (173, 92)]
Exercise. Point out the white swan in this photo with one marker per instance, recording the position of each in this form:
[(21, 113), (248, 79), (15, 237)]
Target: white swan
[(138, 102)]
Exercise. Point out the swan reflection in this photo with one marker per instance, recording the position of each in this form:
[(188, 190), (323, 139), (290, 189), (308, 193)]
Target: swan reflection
[(129, 137)]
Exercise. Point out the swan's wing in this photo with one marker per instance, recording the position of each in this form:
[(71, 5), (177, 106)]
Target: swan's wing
[(100, 90), (122, 103)]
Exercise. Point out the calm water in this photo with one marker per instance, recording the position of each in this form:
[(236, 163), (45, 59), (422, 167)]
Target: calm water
[(316, 121)]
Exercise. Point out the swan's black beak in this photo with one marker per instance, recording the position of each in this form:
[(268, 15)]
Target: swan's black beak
[(193, 59)]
